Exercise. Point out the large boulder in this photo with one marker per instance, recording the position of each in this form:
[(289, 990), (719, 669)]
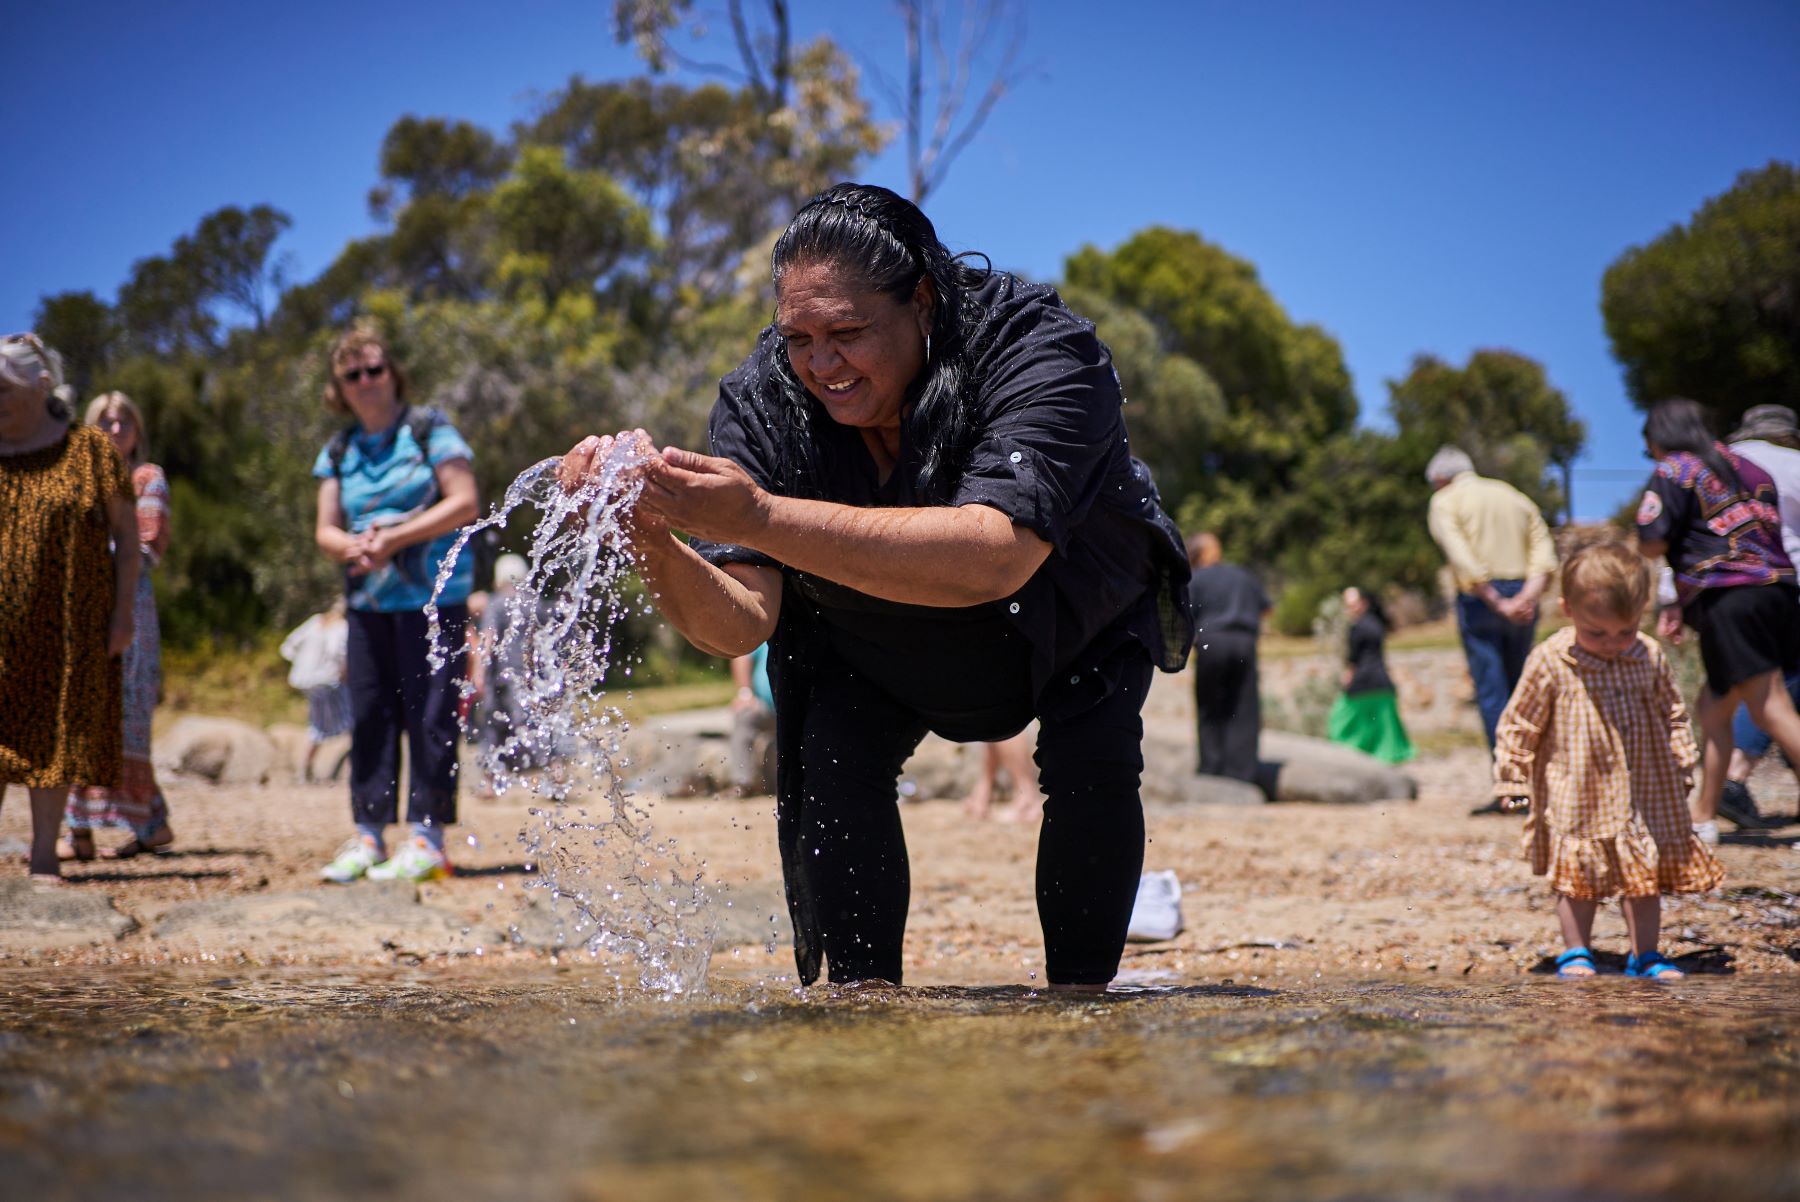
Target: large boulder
[(683, 754), (939, 769), (360, 918), (688, 754), (1292, 768), (290, 742), (221, 750), (36, 916), (1300, 768)]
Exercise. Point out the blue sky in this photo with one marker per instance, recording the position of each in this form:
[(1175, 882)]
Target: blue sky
[(1413, 177)]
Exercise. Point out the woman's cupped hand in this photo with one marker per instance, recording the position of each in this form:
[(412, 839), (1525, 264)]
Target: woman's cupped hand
[(705, 496), (700, 495)]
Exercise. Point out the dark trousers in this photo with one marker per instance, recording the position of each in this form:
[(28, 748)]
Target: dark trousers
[(1496, 651), (1090, 849), (393, 692), (1227, 706)]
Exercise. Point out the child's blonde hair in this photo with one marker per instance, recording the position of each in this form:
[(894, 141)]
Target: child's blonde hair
[(1609, 575)]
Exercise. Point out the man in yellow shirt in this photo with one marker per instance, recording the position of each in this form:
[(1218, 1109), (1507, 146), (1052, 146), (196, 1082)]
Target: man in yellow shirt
[(1502, 558)]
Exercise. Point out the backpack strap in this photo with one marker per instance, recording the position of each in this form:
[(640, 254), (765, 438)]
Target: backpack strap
[(419, 422), (336, 449)]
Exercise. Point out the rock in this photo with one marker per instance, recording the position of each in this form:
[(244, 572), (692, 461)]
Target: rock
[(1294, 768), (221, 750), (745, 912), (1169, 775), (1298, 768), (741, 911), (940, 769), (48, 916), (1187, 787), (682, 754), (290, 742), (689, 754), (360, 918)]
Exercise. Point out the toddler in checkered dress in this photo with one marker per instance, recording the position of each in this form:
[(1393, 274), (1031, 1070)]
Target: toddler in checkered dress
[(1597, 741)]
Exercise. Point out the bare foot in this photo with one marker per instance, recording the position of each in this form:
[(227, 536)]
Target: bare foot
[(78, 846), (980, 798), (1024, 810)]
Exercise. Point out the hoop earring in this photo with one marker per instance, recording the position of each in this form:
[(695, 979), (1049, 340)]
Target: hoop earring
[(928, 348)]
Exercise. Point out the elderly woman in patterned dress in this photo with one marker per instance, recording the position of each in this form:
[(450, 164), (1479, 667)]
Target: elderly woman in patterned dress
[(68, 571), (137, 803)]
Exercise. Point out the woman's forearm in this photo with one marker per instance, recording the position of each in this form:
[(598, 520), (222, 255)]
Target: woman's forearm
[(450, 513), (933, 556), (714, 610), (127, 563), (334, 541)]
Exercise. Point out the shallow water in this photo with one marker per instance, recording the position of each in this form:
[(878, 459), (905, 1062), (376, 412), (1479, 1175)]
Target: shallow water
[(542, 1084)]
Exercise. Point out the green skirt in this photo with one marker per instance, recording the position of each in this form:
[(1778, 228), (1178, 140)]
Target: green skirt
[(1370, 722)]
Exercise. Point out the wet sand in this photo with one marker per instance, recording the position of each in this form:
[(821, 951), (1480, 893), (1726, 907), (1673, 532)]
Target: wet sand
[(1272, 893), (1357, 1009)]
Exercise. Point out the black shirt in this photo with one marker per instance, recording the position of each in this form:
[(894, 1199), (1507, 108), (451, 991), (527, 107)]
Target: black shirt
[(1049, 451), (1368, 671), (1226, 599)]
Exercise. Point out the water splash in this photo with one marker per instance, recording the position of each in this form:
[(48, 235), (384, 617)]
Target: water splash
[(617, 892)]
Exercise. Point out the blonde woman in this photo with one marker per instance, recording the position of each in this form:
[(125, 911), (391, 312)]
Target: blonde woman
[(136, 803), (68, 572)]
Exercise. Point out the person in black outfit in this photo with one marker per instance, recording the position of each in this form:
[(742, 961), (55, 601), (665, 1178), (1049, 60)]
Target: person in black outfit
[(1229, 605), (921, 493)]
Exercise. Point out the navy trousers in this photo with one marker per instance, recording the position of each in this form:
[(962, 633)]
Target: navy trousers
[(394, 692), (1496, 651)]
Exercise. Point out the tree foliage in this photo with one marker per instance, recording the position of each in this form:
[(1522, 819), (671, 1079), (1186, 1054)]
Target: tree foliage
[(83, 328), (1711, 309), (602, 263), (1502, 410), (1248, 420), (1226, 394)]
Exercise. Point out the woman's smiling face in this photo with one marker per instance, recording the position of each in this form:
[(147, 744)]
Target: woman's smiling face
[(856, 350)]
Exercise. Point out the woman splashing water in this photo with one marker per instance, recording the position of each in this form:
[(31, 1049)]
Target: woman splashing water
[(921, 492)]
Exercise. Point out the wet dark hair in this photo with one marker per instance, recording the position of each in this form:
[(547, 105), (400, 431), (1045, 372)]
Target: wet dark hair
[(890, 245), (1679, 424)]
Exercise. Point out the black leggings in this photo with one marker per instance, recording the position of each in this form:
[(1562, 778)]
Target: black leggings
[(1090, 849)]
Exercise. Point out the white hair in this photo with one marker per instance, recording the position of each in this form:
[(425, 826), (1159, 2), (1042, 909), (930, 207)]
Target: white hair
[(26, 361), (1449, 463)]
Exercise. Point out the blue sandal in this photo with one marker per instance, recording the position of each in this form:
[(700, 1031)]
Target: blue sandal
[(1653, 966), (1576, 957)]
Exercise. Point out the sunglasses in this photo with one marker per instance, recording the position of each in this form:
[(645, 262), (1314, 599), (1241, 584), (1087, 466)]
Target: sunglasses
[(356, 373)]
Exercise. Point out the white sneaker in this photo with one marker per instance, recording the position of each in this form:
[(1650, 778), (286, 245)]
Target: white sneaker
[(1708, 832), (1156, 915), (353, 860), (415, 861)]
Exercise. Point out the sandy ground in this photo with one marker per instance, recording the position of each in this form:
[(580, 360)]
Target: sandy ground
[(1272, 892)]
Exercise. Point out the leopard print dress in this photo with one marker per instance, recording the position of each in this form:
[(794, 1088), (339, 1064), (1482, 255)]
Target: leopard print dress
[(61, 717)]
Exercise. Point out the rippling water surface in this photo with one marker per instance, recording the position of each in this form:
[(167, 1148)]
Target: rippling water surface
[(442, 1084)]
